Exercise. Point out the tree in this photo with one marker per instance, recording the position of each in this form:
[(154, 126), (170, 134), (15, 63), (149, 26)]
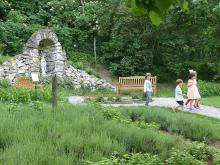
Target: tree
[(154, 9)]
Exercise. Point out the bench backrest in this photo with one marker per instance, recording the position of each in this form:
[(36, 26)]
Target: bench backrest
[(136, 81), (23, 82)]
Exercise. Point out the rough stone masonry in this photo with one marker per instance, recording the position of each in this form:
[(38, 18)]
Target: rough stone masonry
[(45, 43)]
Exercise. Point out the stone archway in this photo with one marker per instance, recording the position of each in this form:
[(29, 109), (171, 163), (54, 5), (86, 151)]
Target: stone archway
[(45, 43)]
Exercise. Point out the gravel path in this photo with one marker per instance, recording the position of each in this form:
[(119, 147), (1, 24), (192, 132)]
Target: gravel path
[(158, 101)]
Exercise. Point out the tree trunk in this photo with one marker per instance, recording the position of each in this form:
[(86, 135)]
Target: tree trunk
[(94, 47), (83, 6)]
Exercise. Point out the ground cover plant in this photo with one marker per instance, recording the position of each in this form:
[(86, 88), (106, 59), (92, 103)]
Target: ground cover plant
[(191, 126), (80, 134)]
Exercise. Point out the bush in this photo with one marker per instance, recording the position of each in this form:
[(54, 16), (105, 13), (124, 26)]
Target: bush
[(66, 84), (89, 71), (79, 65), (4, 83), (130, 159), (200, 151), (188, 125), (28, 135), (21, 95), (182, 158), (100, 99), (208, 88)]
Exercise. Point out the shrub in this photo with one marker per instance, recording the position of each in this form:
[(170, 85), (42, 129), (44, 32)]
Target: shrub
[(118, 99), (182, 158), (79, 65), (89, 71), (66, 84), (32, 136), (200, 151), (21, 95), (190, 126), (208, 88), (130, 159), (100, 99), (4, 83)]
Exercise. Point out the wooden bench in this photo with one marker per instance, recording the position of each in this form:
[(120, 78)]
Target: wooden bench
[(25, 82), (134, 83)]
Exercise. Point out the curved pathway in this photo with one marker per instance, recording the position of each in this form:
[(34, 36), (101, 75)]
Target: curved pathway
[(158, 101)]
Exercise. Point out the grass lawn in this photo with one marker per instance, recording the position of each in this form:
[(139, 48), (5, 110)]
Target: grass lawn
[(211, 101)]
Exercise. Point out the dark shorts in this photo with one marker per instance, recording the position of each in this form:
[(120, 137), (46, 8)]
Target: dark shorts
[(180, 102)]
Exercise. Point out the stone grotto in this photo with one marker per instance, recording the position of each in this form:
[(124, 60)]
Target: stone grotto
[(43, 55)]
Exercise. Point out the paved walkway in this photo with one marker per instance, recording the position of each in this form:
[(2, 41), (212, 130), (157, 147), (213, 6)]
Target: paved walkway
[(158, 101)]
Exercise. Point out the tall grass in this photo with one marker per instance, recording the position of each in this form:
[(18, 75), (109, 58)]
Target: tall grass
[(72, 135), (21, 95), (191, 126)]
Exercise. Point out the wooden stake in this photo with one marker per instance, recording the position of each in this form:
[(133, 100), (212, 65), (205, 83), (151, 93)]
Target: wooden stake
[(54, 92)]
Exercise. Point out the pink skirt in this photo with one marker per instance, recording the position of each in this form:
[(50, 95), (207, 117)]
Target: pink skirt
[(192, 92)]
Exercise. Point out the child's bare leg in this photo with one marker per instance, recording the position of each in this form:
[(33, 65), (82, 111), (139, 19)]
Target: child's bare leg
[(187, 101), (191, 105)]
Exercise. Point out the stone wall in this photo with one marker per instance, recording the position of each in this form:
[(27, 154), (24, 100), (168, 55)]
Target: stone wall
[(28, 62)]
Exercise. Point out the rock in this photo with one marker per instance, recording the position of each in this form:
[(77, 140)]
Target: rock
[(56, 59)]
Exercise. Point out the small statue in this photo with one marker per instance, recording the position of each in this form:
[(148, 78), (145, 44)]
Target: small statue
[(43, 66)]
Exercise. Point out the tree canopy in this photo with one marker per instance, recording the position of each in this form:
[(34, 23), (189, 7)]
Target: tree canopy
[(126, 44)]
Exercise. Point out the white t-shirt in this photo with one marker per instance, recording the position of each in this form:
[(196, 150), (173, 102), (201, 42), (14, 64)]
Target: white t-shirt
[(147, 86), (178, 93)]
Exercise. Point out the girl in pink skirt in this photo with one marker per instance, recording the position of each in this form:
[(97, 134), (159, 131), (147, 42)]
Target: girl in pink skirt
[(193, 74), (192, 90)]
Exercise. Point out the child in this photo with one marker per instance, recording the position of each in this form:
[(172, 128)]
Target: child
[(147, 88), (192, 93), (198, 97), (179, 94)]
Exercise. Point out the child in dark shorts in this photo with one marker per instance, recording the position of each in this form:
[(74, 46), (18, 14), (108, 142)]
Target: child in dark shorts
[(179, 95)]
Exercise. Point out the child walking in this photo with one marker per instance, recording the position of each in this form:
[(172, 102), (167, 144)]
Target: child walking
[(147, 88), (198, 97), (179, 95), (192, 91)]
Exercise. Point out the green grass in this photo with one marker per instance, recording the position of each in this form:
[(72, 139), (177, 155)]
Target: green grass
[(71, 135), (191, 126), (74, 134), (211, 101), (165, 90), (4, 58)]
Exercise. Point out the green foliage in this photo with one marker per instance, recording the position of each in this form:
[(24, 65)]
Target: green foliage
[(3, 58), (183, 158), (5, 83), (28, 135), (126, 44), (118, 99), (100, 99), (154, 9), (66, 84), (208, 88), (89, 71), (130, 159), (20, 95), (188, 125), (200, 151), (113, 114)]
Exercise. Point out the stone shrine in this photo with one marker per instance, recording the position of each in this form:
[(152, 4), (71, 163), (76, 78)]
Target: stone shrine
[(43, 54)]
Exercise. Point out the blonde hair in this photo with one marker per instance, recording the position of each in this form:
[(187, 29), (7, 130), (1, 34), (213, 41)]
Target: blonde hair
[(179, 81)]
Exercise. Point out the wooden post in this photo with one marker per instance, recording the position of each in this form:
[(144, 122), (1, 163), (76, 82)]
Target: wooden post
[(54, 92)]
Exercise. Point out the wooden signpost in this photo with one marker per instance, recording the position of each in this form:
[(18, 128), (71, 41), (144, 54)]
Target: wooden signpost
[(54, 92)]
